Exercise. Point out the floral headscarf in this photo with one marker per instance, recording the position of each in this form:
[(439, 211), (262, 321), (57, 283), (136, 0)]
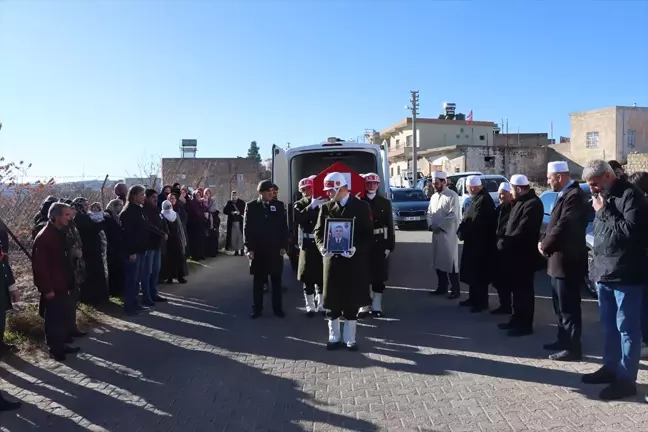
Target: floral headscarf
[(115, 207)]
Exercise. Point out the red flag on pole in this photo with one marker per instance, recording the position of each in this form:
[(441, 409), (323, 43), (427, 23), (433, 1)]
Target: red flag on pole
[(469, 118)]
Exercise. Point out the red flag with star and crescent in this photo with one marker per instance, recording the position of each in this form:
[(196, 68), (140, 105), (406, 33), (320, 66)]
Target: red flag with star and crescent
[(355, 182)]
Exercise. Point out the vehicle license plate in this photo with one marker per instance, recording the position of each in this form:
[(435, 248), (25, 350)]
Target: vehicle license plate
[(412, 218)]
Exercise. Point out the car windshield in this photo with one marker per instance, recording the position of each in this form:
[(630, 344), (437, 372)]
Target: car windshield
[(492, 184), (408, 195)]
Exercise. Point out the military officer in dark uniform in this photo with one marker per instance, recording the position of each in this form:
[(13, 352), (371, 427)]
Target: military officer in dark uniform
[(501, 279), (345, 288), (309, 270), (520, 246), (265, 236), (382, 245), (477, 230)]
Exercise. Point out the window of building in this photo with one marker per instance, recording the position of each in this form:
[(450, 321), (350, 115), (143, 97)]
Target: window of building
[(408, 140), (630, 139), (397, 143), (458, 136), (592, 140), (482, 137), (391, 172), (398, 170)]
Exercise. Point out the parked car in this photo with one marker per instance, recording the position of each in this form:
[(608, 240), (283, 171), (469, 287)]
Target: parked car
[(490, 182), (548, 199), (454, 178), (409, 207)]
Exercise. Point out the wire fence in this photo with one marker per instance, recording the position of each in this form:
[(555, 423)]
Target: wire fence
[(20, 203)]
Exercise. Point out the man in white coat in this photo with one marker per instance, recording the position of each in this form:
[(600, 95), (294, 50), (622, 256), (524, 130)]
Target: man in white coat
[(443, 220)]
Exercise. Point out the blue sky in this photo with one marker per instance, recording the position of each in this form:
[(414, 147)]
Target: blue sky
[(93, 87)]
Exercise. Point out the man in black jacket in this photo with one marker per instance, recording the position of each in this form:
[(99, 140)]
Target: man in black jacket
[(477, 230), (564, 244), (520, 246), (265, 234), (158, 235), (619, 265), (501, 279)]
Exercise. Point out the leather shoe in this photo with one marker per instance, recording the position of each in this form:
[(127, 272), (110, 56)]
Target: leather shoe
[(439, 292), (71, 350), (279, 314), (566, 355), (517, 332), (58, 356), (5, 405), (255, 315), (554, 346), (78, 333)]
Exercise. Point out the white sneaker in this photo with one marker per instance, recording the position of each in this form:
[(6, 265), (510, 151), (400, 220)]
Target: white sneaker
[(644, 351)]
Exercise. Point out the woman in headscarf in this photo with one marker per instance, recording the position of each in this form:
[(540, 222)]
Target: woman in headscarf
[(173, 258), (164, 193), (213, 224), (121, 190), (40, 220), (197, 226), (115, 253), (94, 289), (179, 208)]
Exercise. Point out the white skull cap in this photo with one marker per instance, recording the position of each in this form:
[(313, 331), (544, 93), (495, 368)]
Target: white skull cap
[(439, 175), (504, 187), (473, 180), (557, 167), (519, 180)]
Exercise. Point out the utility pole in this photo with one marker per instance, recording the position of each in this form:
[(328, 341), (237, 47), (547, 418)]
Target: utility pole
[(414, 106)]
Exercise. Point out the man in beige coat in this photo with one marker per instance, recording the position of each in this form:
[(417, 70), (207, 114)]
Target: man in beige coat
[(443, 220)]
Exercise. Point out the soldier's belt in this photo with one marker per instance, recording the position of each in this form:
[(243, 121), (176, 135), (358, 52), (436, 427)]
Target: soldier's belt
[(309, 236), (379, 230)]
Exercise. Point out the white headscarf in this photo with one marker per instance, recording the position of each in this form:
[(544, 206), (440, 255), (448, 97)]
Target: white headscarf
[(167, 211)]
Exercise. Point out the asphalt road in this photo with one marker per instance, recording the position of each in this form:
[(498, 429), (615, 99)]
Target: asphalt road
[(199, 363)]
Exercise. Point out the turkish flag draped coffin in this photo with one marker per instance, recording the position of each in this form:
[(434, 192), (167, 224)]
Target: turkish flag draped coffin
[(354, 180)]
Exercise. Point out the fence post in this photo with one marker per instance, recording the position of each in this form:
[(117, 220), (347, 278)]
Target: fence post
[(103, 185)]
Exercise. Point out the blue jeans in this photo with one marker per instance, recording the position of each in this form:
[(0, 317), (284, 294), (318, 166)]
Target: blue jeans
[(151, 274), (620, 308), (132, 272)]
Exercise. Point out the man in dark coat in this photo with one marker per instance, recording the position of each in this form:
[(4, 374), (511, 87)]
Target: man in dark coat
[(345, 284), (54, 278), (309, 270), (619, 267), (234, 209), (265, 233), (564, 244), (383, 243), (477, 230), (520, 248), (501, 279)]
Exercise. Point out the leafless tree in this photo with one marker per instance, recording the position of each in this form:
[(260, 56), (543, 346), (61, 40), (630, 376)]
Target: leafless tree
[(149, 168)]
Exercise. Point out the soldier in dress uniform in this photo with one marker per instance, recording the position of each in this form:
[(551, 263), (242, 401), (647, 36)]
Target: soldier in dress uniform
[(265, 235), (501, 278), (383, 244), (344, 286), (309, 270)]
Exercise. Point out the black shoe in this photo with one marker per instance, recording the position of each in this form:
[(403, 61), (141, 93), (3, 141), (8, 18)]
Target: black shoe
[(506, 326), (454, 295), (377, 314), (601, 376), (555, 346), (159, 299), (362, 315), (255, 315), (236, 253), (332, 346), (439, 292), (58, 356), (78, 333), (477, 309), (566, 355), (353, 347), (466, 302), (5, 405), (502, 311), (148, 303), (279, 314), (517, 332), (182, 280), (71, 350), (618, 390)]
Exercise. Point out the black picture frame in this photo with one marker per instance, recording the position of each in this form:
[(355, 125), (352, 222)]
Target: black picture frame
[(343, 226)]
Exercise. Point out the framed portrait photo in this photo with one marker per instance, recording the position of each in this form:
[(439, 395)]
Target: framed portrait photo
[(339, 235)]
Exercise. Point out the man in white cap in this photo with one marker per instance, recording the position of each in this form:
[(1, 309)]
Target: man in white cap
[(443, 220), (477, 230), (501, 279), (345, 288), (519, 247), (564, 244)]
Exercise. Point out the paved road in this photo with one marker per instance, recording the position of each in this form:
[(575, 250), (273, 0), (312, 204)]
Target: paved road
[(199, 364)]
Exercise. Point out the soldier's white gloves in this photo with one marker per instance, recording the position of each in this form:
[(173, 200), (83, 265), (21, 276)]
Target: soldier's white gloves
[(387, 252), (317, 202), (325, 253), (349, 253)]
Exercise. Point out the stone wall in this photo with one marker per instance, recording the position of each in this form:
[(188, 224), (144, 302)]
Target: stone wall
[(637, 162), (530, 161)]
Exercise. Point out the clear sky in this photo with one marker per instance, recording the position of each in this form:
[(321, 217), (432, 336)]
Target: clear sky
[(89, 87)]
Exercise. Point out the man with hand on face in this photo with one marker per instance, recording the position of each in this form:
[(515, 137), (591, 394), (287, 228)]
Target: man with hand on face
[(564, 244), (501, 279), (345, 288), (309, 268), (520, 248), (234, 210), (619, 268), (382, 245), (443, 219), (477, 230), (265, 233)]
